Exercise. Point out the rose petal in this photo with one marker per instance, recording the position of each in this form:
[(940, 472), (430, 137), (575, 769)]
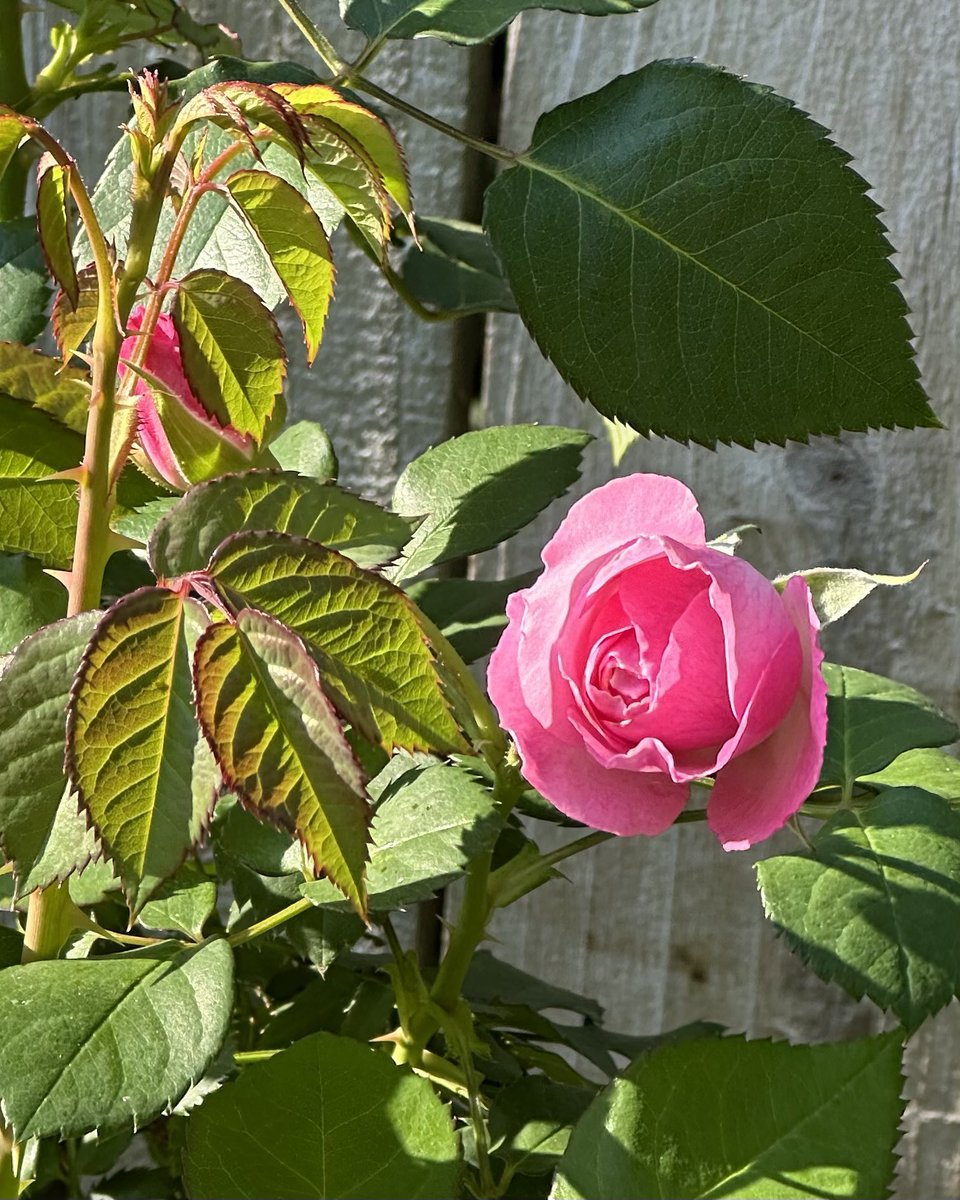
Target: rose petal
[(757, 792)]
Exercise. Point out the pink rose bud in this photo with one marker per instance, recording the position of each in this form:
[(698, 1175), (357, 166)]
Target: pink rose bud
[(643, 659), (179, 444)]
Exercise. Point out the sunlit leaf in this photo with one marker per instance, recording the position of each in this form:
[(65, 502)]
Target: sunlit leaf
[(53, 182)]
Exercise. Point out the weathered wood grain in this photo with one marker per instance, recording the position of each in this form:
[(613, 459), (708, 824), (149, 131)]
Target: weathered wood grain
[(671, 930)]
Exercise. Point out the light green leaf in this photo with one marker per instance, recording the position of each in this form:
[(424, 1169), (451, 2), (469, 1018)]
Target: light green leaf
[(532, 1119), (73, 320), (869, 907), (836, 590), (184, 903), (430, 823), (621, 437), (729, 541), (232, 352), (41, 831), (139, 523), (52, 222), (328, 1118), (933, 771), (465, 21), (454, 269), (24, 286), (273, 500), (134, 751), (29, 598), (732, 1118), (279, 743), (871, 720), (295, 241), (305, 447), (44, 382), (478, 489), (374, 660), (699, 260), (113, 1041), (470, 613)]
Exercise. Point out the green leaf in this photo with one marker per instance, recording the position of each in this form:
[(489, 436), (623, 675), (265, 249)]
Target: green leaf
[(73, 320), (273, 500), (279, 744), (698, 260), (24, 287), (470, 613), (139, 523), (232, 352), (430, 823), (836, 590), (871, 720), (869, 907), (490, 981), (305, 447), (343, 1002), (478, 489), (328, 1118), (29, 598), (44, 382), (933, 771), (184, 903), (113, 1041), (11, 947), (534, 1117), (134, 752), (52, 222), (295, 241), (41, 831), (454, 269), (462, 20), (621, 437), (374, 660), (732, 1118)]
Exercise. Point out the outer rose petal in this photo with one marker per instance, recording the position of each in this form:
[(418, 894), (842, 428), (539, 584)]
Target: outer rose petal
[(757, 792), (622, 802)]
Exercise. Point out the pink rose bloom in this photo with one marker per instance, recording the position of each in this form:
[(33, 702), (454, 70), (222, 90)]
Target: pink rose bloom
[(164, 362), (643, 659)]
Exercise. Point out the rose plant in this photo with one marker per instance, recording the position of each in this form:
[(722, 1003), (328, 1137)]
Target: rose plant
[(239, 730)]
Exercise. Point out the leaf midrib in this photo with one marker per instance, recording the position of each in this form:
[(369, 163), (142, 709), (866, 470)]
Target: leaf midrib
[(575, 186)]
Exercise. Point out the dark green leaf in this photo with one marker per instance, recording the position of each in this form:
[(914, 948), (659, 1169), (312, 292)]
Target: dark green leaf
[(461, 20), (478, 489), (871, 906), (112, 1041), (373, 658), (184, 903), (699, 261), (454, 269), (134, 751), (29, 598), (429, 824), (731, 1118), (11, 947), (273, 500), (470, 613), (279, 743), (42, 831), (232, 352), (24, 288), (534, 1118), (305, 447), (871, 720), (343, 1002), (491, 981), (328, 1118)]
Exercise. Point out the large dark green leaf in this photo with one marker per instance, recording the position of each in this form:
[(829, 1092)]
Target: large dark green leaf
[(273, 500), (24, 286), (135, 753), (871, 720), (470, 613), (374, 660), (280, 745), (29, 598), (42, 832), (464, 21), (99, 1043), (478, 489), (699, 261), (731, 1118), (428, 826), (328, 1118), (873, 906)]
